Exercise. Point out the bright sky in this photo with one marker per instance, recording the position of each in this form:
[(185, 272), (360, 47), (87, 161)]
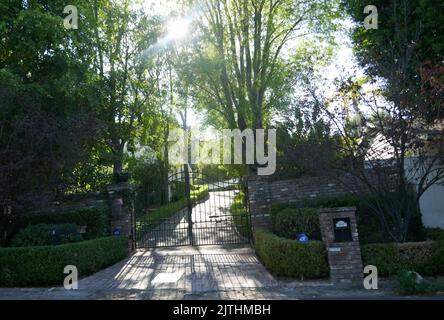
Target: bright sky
[(158, 7)]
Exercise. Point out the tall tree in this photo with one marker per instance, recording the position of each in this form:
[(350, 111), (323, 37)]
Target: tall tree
[(243, 49), (406, 50), (47, 117), (399, 134), (126, 82)]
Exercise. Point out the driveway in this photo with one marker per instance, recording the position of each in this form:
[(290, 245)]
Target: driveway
[(212, 224), (192, 269), (167, 273)]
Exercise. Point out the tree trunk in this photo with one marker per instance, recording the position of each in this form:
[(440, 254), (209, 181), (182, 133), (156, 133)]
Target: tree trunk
[(118, 157)]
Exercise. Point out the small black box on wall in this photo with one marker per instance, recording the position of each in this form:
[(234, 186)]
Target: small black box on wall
[(342, 230)]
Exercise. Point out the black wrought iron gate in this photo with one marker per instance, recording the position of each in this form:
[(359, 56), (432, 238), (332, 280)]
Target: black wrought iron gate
[(192, 209)]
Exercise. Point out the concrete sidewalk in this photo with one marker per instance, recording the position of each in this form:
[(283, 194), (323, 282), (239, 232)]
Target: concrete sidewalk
[(276, 293)]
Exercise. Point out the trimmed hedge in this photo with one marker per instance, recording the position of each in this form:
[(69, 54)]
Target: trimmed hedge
[(43, 265), (369, 226), (288, 258), (426, 258), (96, 220), (292, 221), (325, 202), (45, 235)]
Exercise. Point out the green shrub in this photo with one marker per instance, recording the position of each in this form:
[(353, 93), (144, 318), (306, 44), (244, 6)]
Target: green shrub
[(292, 221), (241, 218), (434, 234), (426, 258), (331, 202), (298, 212), (178, 190), (369, 224), (45, 234), (278, 207), (44, 265), (96, 220), (381, 255), (288, 258), (408, 284), (323, 202)]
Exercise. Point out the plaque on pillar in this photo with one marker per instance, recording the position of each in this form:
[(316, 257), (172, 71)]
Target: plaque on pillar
[(340, 235)]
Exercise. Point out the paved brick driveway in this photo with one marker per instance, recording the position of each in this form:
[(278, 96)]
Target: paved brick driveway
[(195, 273), (192, 269)]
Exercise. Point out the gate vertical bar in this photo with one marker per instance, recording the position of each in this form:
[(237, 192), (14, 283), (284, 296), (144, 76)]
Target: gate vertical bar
[(249, 225), (133, 220), (189, 204)]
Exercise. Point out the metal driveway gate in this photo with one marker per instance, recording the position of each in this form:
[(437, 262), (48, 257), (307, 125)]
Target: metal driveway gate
[(192, 209)]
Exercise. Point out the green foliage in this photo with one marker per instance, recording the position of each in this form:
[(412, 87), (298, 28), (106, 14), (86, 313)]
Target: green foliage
[(426, 258), (401, 24), (219, 172), (148, 180), (66, 116), (48, 103), (292, 221), (381, 255), (96, 220), (331, 202), (305, 148), (369, 225), (241, 219), (178, 189), (408, 284), (93, 174), (288, 258), (44, 265), (45, 235), (434, 234), (234, 95), (323, 202)]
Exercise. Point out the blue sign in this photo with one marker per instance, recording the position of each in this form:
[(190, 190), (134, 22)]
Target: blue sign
[(116, 231), (302, 237)]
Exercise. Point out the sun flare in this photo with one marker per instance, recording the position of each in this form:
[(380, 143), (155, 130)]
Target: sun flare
[(178, 28)]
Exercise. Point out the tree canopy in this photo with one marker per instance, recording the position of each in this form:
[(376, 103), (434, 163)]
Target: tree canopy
[(81, 106)]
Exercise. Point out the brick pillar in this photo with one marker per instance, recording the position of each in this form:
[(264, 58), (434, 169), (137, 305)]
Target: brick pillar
[(259, 200), (121, 197), (340, 235)]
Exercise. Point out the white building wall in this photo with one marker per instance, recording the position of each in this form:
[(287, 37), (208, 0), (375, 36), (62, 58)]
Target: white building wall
[(432, 207), (431, 204)]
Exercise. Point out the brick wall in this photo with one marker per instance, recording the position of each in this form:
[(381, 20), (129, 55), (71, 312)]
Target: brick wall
[(344, 258), (263, 191)]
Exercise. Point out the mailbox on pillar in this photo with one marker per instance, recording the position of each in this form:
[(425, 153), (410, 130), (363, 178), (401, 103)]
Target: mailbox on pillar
[(342, 230), (340, 234)]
